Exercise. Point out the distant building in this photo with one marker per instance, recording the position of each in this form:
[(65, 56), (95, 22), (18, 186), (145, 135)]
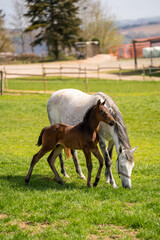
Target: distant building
[(86, 49)]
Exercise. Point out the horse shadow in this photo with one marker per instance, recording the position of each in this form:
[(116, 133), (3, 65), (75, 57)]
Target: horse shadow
[(40, 183)]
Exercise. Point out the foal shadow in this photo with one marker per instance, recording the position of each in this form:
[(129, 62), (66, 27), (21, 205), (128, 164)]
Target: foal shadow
[(39, 182)]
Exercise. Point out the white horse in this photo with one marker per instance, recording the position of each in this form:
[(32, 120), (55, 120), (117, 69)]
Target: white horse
[(69, 106)]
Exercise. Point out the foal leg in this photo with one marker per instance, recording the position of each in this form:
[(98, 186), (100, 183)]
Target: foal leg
[(63, 170), (87, 154), (35, 159), (108, 163), (51, 159), (97, 154), (77, 165)]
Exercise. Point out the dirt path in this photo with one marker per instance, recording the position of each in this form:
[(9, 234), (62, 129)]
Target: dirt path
[(101, 60)]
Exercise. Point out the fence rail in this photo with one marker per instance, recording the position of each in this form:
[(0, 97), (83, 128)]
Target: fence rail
[(156, 70)]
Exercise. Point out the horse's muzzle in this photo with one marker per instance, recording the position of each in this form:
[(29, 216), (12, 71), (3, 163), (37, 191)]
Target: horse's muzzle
[(124, 186), (112, 123)]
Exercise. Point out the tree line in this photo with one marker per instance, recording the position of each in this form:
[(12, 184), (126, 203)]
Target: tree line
[(60, 23)]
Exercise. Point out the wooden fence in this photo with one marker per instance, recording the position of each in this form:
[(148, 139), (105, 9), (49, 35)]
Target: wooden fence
[(61, 71)]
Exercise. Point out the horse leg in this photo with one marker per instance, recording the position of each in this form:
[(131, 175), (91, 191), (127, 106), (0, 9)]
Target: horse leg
[(51, 159), (108, 163), (110, 151), (35, 159), (110, 148), (77, 165), (87, 154), (97, 154), (63, 170)]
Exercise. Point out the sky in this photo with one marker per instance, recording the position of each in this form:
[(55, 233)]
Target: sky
[(133, 9), (121, 9)]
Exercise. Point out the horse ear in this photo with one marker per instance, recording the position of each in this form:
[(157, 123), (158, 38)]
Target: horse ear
[(120, 149), (134, 149), (104, 102), (99, 102)]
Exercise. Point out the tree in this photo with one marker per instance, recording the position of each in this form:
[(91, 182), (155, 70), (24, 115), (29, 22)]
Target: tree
[(56, 21), (19, 21), (5, 42), (97, 24)]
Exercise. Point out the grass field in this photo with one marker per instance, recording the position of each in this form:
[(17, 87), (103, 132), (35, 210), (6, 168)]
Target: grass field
[(109, 86), (46, 210)]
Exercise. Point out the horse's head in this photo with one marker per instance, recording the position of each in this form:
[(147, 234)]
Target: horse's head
[(104, 114), (124, 166)]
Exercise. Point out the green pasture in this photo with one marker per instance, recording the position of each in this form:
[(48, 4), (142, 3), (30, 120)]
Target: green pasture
[(46, 210), (109, 86)]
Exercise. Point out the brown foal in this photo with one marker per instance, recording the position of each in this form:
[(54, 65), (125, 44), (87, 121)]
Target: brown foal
[(83, 136)]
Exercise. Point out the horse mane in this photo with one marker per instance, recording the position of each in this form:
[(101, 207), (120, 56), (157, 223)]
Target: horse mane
[(87, 114), (122, 134), (120, 127)]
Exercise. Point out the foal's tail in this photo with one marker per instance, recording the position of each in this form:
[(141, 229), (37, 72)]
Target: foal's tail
[(67, 152), (39, 143)]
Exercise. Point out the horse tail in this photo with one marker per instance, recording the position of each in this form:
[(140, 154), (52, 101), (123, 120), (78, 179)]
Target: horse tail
[(39, 143), (67, 152)]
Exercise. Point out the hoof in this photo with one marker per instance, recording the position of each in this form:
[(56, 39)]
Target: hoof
[(60, 182), (95, 184), (89, 185), (107, 181), (26, 182), (111, 182), (114, 185), (67, 176), (82, 177)]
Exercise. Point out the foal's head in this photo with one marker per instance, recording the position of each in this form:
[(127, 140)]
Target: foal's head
[(103, 113)]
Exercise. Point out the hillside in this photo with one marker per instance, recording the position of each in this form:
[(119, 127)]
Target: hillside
[(140, 28), (153, 29)]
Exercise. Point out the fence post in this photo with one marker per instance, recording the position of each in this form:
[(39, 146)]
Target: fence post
[(143, 73), (150, 75), (44, 77), (5, 78), (60, 68), (1, 73), (120, 72), (98, 68), (79, 72), (86, 80)]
